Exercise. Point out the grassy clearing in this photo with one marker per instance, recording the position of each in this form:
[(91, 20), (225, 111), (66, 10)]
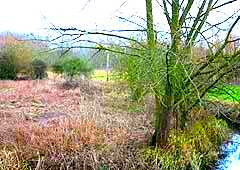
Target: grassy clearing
[(228, 93)]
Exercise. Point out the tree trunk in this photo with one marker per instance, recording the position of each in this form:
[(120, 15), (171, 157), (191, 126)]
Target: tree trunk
[(162, 121), (166, 110), (162, 110)]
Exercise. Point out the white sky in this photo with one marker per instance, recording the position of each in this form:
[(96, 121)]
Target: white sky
[(29, 15)]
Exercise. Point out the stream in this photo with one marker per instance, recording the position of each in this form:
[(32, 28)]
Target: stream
[(230, 154)]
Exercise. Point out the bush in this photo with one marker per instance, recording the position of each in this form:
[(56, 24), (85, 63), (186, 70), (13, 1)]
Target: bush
[(20, 55), (39, 69), (7, 67), (7, 71), (58, 68), (72, 67)]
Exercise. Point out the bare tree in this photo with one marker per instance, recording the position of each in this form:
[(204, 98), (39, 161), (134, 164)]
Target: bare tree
[(178, 84)]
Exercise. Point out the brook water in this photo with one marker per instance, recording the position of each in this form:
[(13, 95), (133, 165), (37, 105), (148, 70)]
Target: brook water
[(230, 154)]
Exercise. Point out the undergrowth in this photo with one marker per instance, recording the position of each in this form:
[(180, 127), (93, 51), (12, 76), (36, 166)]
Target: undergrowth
[(193, 148)]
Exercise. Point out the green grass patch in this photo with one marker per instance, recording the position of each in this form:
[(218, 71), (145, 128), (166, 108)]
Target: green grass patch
[(228, 93), (135, 108), (101, 75)]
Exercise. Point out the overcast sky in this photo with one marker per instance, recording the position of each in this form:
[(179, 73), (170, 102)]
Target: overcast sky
[(32, 15), (35, 15)]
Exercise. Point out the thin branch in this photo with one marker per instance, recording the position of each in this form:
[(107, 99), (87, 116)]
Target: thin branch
[(218, 52), (83, 32), (103, 49), (125, 19), (227, 37), (209, 87), (224, 4), (85, 5), (195, 22), (166, 12), (202, 21), (185, 12)]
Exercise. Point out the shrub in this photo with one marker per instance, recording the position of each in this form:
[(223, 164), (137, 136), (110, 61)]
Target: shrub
[(58, 68), (18, 54), (135, 71), (7, 67), (72, 67), (39, 68), (7, 71), (22, 57)]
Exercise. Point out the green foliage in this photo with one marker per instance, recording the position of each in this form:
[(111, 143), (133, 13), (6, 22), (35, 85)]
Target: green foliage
[(22, 57), (7, 70), (39, 68), (225, 93), (141, 72), (104, 167), (73, 66), (195, 148), (133, 109), (7, 66), (58, 67)]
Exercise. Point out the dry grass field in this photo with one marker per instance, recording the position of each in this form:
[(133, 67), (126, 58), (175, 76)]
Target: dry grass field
[(45, 125)]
